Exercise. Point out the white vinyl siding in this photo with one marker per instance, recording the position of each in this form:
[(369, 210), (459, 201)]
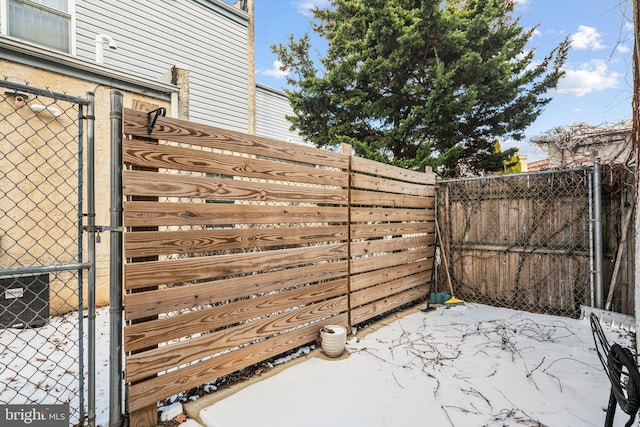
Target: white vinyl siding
[(154, 36), (272, 107)]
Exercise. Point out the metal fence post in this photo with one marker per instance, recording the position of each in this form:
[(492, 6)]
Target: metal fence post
[(91, 248), (597, 233), (115, 271)]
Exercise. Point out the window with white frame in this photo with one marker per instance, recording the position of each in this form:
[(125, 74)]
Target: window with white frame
[(44, 22)]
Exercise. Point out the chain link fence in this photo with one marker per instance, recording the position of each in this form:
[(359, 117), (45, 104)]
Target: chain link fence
[(42, 326), (519, 241)]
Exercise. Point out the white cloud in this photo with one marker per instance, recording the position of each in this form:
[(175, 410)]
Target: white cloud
[(587, 38), (623, 48), (305, 7), (590, 77), (275, 71)]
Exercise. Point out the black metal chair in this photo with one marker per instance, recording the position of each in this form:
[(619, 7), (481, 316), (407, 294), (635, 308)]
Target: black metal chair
[(622, 370)]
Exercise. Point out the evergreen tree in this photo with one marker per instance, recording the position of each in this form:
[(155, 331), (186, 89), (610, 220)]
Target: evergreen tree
[(419, 82)]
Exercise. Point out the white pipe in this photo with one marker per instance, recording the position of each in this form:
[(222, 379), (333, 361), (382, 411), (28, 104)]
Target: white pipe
[(101, 40), (39, 108)]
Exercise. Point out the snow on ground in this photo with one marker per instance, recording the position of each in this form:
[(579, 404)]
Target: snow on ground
[(471, 365), (45, 370)]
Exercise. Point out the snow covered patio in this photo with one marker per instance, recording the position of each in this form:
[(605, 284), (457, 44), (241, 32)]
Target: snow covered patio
[(472, 365)]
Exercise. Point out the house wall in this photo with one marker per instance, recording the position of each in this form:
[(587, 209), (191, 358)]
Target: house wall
[(154, 36), (272, 107), (614, 148), (56, 82)]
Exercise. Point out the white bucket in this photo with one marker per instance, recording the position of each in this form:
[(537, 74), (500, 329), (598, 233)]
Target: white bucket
[(333, 343)]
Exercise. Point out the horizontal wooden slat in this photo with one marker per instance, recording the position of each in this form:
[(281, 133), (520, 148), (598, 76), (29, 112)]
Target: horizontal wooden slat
[(155, 389), (367, 231), (151, 214), (370, 263), (384, 185), (390, 214), (368, 311), (151, 243), (374, 198), (376, 277), (154, 273), (389, 245), (164, 156), (151, 362), (147, 334), (376, 168), (151, 303), (384, 290), (166, 128), (155, 184)]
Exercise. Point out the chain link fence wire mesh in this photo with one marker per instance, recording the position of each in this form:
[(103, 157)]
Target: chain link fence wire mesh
[(41, 309), (519, 241)]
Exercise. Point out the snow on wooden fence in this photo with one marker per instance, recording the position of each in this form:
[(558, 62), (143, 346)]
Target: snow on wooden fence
[(239, 248)]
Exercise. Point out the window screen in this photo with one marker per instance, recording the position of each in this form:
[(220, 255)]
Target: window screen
[(45, 22)]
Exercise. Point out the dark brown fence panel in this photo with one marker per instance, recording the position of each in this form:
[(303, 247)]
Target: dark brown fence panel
[(519, 241), (392, 237), (251, 252)]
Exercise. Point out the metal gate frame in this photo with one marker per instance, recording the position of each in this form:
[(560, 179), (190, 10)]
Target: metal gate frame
[(25, 96)]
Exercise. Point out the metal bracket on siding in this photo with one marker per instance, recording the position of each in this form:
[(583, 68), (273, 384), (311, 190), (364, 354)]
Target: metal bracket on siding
[(151, 122)]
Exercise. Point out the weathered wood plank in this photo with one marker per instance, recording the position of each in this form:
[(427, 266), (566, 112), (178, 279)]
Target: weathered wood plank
[(374, 198), (182, 242), (185, 159), (390, 245), (156, 389), (520, 249), (173, 185), (142, 365), (145, 304), (385, 290), (390, 214), (166, 128), (376, 168), (368, 231), (169, 214), (154, 273), (384, 185), (374, 309), (143, 335), (376, 277), (370, 263)]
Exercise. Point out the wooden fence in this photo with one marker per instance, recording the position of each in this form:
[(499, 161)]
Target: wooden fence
[(239, 248), (522, 241)]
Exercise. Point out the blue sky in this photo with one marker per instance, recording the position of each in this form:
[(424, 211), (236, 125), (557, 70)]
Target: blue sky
[(597, 88)]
